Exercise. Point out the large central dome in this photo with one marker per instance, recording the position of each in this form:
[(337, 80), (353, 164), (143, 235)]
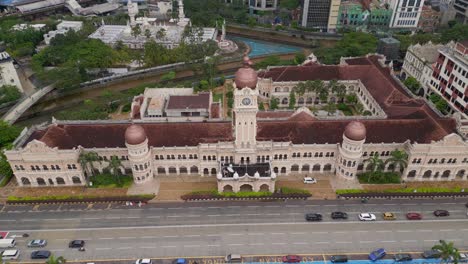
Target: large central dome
[(246, 76)]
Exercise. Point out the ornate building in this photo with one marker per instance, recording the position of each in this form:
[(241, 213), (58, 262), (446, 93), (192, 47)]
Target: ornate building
[(256, 147)]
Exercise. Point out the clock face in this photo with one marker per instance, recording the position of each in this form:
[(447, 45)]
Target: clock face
[(246, 101)]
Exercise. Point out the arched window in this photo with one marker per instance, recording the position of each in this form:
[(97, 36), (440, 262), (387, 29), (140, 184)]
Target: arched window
[(60, 180), (411, 174), (25, 181), (76, 180)]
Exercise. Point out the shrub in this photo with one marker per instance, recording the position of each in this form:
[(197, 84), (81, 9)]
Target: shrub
[(214, 194), (73, 197), (287, 190), (379, 177), (403, 190)]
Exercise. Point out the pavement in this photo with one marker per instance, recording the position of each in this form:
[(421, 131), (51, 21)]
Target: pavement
[(203, 229)]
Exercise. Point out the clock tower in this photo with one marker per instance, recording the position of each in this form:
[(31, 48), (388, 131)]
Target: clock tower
[(245, 106)]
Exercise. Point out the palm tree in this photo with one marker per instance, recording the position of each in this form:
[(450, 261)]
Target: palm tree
[(448, 252), (86, 160), (114, 166), (56, 260), (337, 88), (161, 34), (376, 164), (399, 158), (301, 88)]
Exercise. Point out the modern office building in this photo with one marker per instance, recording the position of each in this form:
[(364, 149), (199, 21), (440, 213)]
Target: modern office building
[(320, 14), (406, 13)]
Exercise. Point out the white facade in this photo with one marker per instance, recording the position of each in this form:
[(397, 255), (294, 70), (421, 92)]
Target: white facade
[(8, 74), (418, 63), (62, 28), (406, 13)]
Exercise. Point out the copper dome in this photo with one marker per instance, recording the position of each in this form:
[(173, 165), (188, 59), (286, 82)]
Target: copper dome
[(355, 131), (246, 76), (135, 134)]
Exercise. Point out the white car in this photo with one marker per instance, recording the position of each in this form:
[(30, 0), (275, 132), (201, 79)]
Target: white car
[(144, 261), (308, 180), (367, 217)]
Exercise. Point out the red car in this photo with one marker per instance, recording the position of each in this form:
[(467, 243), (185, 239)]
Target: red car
[(413, 216), (292, 259)]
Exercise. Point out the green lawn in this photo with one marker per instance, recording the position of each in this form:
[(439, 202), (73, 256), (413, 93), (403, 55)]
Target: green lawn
[(218, 97), (379, 177), (107, 180)]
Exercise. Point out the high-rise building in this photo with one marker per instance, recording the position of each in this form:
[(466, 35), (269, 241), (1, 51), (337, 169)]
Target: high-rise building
[(450, 76), (320, 14), (406, 13), (461, 9)]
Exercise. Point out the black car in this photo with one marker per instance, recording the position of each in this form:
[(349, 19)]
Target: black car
[(441, 213), (429, 254), (40, 254), (402, 257), (76, 244), (313, 217), (339, 259), (339, 215)]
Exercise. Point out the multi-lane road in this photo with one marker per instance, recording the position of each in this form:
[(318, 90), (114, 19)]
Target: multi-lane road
[(216, 229)]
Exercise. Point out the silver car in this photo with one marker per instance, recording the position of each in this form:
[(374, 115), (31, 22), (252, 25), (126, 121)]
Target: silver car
[(37, 243)]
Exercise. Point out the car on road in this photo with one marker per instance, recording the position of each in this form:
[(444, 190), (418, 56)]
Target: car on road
[(10, 254), (339, 215), (367, 217), (433, 253), (439, 213), (76, 244), (232, 258), (313, 217), (37, 243), (388, 216), (377, 254), (402, 257), (339, 259), (180, 261), (309, 180), (413, 216), (40, 254), (144, 261), (292, 259), (463, 258)]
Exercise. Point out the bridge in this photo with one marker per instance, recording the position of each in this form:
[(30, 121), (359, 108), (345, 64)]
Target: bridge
[(24, 104)]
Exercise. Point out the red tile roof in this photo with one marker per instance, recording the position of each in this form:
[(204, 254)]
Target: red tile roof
[(408, 118), (201, 100), (216, 110)]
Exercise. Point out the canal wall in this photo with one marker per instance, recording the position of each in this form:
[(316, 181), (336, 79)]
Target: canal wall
[(291, 37)]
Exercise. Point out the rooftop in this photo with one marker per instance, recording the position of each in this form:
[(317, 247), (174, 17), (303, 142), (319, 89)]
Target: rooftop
[(408, 118), (197, 101), (428, 52)]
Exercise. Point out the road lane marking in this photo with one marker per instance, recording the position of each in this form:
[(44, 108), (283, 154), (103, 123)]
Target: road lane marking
[(149, 237), (343, 242), (213, 245), (322, 242), (170, 236), (278, 243), (255, 234), (235, 245), (103, 248), (298, 233), (124, 248), (148, 247), (236, 234), (256, 244), (446, 230), (213, 215), (409, 241), (106, 238), (388, 241), (154, 216), (191, 245), (212, 235), (191, 235), (365, 242), (300, 243), (168, 246), (277, 234), (127, 237), (91, 218)]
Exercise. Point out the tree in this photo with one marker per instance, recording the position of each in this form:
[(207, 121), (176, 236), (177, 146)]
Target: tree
[(352, 44), (274, 102), (252, 22), (352, 98), (9, 93), (412, 84), (337, 88), (448, 252), (299, 58), (114, 166), (289, 4), (301, 88), (399, 158), (147, 33), (376, 165), (136, 31), (292, 100), (456, 33), (56, 260), (330, 108), (8, 133), (86, 160), (261, 107), (161, 34)]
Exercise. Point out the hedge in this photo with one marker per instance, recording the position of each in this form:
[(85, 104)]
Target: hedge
[(214, 194), (379, 177), (75, 197), (403, 190)]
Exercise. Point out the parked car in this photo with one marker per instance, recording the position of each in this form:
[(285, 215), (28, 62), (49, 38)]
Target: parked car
[(76, 244), (413, 216), (377, 254), (291, 259), (367, 217), (389, 216), (441, 213), (231, 258), (40, 254), (339, 215), (433, 253), (309, 180), (339, 259), (37, 243), (463, 258), (402, 257), (10, 254), (313, 217), (180, 261), (144, 261)]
